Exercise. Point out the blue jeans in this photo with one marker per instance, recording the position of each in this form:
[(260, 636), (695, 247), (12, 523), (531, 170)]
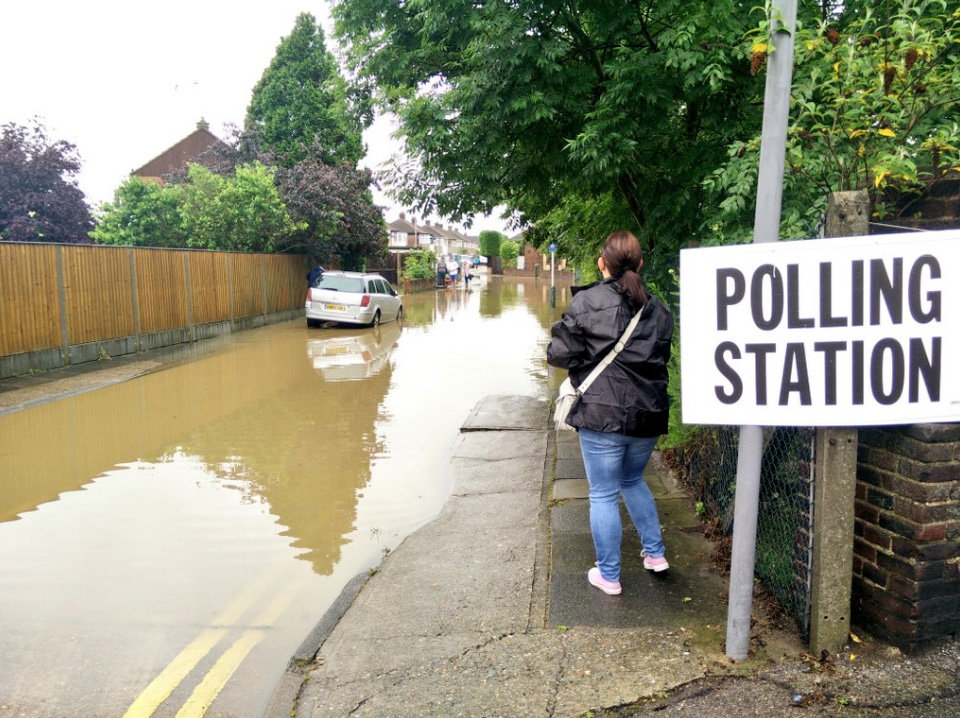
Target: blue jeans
[(615, 465)]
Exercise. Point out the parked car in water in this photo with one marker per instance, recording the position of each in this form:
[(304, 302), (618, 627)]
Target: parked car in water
[(352, 298)]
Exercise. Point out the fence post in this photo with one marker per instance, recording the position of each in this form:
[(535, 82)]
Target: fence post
[(233, 314), (134, 300), (835, 481), (263, 284), (186, 270), (62, 302)]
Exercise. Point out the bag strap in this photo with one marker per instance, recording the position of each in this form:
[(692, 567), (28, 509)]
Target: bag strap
[(612, 354)]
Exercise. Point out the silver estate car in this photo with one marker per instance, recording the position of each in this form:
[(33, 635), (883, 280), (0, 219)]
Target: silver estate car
[(352, 298)]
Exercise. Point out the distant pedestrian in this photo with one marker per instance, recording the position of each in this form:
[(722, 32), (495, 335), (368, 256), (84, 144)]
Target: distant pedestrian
[(441, 272), (621, 415), (465, 270), (314, 274)]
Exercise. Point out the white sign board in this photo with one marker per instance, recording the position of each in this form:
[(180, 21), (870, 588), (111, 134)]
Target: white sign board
[(858, 331)]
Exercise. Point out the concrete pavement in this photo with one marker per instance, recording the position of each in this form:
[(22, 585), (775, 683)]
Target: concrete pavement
[(486, 611)]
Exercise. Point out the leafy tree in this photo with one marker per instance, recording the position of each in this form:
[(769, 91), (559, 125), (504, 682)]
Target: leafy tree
[(591, 115), (874, 107), (243, 212), (142, 214), (300, 107), (335, 211), (39, 199), (333, 204), (536, 105), (490, 241)]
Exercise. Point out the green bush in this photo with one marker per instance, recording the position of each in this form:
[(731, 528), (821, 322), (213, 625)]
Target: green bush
[(509, 251), (421, 264)]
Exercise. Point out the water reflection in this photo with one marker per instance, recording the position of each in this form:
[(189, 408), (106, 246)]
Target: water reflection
[(352, 355), (253, 413), (172, 491)]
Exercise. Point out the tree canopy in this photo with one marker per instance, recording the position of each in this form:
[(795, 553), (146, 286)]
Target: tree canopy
[(490, 242), (541, 105), (590, 115), (39, 198), (335, 209), (874, 107), (242, 212), (300, 105), (332, 204), (142, 214)]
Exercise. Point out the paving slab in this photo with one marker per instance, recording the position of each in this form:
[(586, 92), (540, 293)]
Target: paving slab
[(508, 412), (564, 489), (570, 469)]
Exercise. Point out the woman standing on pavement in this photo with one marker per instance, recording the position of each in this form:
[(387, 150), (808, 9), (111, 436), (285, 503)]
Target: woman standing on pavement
[(622, 414)]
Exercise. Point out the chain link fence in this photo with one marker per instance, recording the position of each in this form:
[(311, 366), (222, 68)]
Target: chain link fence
[(708, 466)]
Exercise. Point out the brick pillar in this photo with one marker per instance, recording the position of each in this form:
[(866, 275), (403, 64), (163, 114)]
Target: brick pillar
[(906, 566)]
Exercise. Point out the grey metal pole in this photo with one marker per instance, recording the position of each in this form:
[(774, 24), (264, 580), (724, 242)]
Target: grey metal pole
[(553, 288), (766, 228)]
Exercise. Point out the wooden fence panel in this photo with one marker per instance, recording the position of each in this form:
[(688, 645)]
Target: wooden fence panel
[(161, 289), (115, 292), (286, 281), (29, 299), (247, 284), (209, 293), (98, 294)]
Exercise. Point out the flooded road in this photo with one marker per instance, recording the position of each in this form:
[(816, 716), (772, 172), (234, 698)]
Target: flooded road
[(167, 542)]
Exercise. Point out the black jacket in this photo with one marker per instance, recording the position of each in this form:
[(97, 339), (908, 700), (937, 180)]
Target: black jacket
[(630, 396)]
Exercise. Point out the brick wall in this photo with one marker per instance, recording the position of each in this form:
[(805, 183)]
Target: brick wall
[(531, 256), (906, 565)]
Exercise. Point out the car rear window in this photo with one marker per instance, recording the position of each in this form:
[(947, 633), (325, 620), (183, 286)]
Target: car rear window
[(341, 284)]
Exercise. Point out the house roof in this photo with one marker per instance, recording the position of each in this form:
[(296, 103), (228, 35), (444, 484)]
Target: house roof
[(174, 159), (401, 225)]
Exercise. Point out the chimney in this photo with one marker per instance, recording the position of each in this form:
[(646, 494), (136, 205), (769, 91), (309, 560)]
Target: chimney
[(403, 215)]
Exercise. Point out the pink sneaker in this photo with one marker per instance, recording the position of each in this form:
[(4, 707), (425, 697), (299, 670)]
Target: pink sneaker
[(611, 588), (657, 564)]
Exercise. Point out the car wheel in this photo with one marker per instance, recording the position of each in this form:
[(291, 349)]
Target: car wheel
[(376, 319), (313, 323), (400, 314)]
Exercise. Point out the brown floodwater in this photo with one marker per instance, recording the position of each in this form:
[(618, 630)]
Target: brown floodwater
[(168, 541)]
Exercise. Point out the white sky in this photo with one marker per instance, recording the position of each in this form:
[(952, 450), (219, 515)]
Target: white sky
[(124, 80)]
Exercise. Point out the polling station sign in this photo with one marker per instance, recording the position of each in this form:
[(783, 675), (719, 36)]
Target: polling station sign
[(858, 331)]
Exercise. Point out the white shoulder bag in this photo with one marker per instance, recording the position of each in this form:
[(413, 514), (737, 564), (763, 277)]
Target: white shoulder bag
[(567, 397)]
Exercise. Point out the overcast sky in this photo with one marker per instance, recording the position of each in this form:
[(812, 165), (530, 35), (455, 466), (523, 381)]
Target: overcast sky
[(125, 80)]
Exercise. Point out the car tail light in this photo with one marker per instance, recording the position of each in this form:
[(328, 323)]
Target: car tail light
[(365, 302)]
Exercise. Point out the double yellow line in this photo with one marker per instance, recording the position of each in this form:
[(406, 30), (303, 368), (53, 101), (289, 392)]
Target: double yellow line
[(217, 677)]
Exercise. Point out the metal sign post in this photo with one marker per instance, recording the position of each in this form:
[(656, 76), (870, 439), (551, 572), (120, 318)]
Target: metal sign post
[(766, 228), (553, 263)]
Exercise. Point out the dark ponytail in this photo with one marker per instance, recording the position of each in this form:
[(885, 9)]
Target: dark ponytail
[(622, 256)]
